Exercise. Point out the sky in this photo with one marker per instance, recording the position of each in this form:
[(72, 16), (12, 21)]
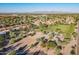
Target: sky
[(32, 7)]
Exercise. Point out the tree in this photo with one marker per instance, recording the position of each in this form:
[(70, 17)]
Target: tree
[(73, 52), (51, 44), (1, 38), (1, 41), (74, 34)]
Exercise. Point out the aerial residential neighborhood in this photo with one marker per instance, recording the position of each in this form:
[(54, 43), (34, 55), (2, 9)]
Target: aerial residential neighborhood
[(39, 33)]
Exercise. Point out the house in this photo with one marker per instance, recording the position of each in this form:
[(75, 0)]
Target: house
[(4, 37)]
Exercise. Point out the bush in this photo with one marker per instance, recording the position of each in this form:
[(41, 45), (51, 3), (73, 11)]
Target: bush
[(1, 39), (12, 53), (74, 34), (51, 44), (73, 52), (59, 54), (43, 44), (12, 34), (40, 39), (67, 40), (58, 49), (35, 44), (32, 33), (13, 40)]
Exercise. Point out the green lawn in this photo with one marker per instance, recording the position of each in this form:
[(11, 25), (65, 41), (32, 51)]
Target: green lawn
[(67, 30)]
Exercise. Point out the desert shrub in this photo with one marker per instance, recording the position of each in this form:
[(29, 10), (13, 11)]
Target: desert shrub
[(74, 34), (60, 54), (40, 39), (12, 53), (34, 26), (32, 34), (67, 40), (58, 49), (13, 40), (62, 42), (33, 45), (43, 44), (12, 34), (72, 52), (51, 44), (77, 19)]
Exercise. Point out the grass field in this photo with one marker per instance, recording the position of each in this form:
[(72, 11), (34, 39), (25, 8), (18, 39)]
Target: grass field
[(67, 30)]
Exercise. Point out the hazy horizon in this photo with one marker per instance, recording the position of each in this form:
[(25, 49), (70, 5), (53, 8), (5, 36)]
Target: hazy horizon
[(32, 7)]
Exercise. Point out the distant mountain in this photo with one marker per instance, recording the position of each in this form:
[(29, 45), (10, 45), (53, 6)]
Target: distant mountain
[(52, 12), (42, 12)]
